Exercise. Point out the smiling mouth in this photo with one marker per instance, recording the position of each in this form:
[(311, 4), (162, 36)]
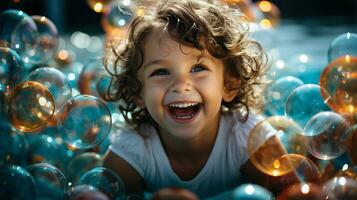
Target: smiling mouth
[(184, 111)]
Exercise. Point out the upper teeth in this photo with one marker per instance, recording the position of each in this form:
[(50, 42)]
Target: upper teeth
[(182, 105)]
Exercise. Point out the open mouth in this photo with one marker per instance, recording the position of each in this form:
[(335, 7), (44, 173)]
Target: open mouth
[(184, 111)]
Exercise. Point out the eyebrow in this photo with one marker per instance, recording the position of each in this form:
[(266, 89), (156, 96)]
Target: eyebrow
[(160, 61)]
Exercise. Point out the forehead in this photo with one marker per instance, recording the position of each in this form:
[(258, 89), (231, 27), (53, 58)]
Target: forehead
[(159, 44)]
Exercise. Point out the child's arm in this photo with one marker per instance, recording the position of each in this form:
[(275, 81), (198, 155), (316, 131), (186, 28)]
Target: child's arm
[(134, 183)]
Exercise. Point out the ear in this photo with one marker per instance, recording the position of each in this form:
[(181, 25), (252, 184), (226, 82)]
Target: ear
[(230, 90)]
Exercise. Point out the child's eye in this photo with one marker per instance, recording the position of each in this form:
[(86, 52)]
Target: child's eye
[(159, 72), (198, 68)]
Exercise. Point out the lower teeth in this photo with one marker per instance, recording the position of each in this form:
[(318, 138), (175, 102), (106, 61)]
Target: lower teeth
[(184, 117)]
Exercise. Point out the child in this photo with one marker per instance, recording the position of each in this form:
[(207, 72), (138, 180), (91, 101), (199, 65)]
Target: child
[(188, 78)]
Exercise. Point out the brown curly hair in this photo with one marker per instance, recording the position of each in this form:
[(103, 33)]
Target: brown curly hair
[(222, 31)]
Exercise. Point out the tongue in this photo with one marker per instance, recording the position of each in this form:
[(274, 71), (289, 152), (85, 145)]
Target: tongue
[(182, 112)]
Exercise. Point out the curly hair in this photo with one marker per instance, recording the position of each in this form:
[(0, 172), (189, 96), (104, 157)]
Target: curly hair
[(220, 30)]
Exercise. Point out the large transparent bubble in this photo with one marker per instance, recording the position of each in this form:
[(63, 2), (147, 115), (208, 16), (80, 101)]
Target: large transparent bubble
[(57, 84), (16, 183), (342, 45), (82, 163), (50, 182), (43, 149), (339, 78), (271, 140), (304, 102), (277, 92), (12, 70), (86, 192), (105, 180), (29, 106), (341, 188), (84, 121), (13, 146)]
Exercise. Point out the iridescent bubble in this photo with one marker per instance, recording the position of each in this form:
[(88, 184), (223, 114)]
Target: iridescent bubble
[(117, 18), (328, 133), (172, 193), (277, 92), (342, 45), (304, 102), (303, 191), (105, 180), (16, 183), (251, 192), (82, 163), (86, 192), (352, 143), (270, 140), (57, 84), (29, 106), (267, 15), (13, 146), (47, 40), (93, 79), (11, 69), (50, 182), (84, 121), (43, 149), (339, 78), (341, 188)]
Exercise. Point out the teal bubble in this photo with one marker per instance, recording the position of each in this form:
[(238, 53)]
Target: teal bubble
[(251, 192), (11, 69), (304, 102), (105, 180), (50, 182), (16, 183), (43, 149), (86, 192), (277, 92), (342, 45), (84, 121)]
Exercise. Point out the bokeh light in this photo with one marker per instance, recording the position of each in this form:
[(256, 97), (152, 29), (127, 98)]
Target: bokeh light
[(342, 45), (306, 101), (16, 183), (29, 106), (98, 5), (84, 121), (328, 133), (267, 15), (339, 78), (50, 182), (271, 140), (105, 180)]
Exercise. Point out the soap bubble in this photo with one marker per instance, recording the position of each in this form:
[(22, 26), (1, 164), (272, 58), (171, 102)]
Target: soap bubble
[(339, 79), (29, 106), (47, 40), (86, 192), (277, 92), (11, 69), (57, 84), (105, 180), (328, 135), (340, 188), (50, 182), (342, 45), (82, 163), (303, 191), (171, 193), (13, 147), (16, 183), (304, 102), (270, 140), (251, 192), (84, 121)]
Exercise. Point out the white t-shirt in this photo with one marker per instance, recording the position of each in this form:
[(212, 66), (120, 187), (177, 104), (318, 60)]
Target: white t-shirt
[(145, 153)]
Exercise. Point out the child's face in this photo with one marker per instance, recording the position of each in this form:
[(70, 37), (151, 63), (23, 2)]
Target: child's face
[(182, 90)]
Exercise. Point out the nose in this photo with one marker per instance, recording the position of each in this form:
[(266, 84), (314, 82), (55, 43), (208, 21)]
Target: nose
[(181, 83)]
